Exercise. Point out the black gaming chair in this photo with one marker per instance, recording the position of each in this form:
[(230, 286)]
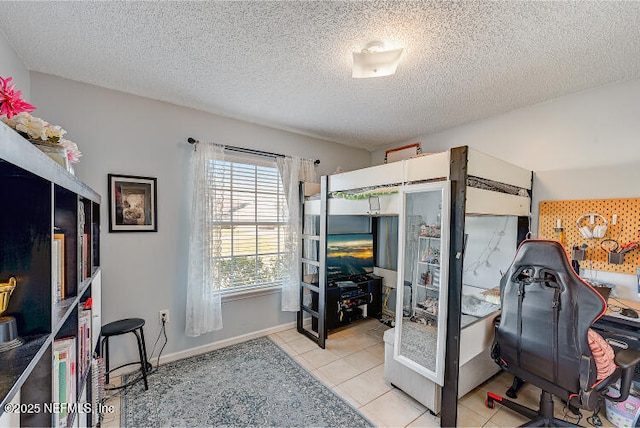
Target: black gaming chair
[(541, 337)]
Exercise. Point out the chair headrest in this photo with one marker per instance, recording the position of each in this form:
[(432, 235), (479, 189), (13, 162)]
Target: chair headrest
[(549, 254), (550, 257)]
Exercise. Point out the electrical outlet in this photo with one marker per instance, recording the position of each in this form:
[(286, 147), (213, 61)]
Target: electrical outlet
[(163, 315)]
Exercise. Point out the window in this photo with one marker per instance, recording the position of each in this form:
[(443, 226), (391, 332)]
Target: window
[(251, 223)]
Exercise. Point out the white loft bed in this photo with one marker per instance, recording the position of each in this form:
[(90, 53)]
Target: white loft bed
[(434, 167), (476, 335)]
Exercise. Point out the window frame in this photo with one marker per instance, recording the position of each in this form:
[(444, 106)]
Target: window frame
[(234, 292)]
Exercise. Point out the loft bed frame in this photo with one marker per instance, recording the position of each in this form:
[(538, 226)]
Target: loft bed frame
[(481, 168), (480, 185)]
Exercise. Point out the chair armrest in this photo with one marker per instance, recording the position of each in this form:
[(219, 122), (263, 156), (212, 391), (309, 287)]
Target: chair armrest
[(626, 360)]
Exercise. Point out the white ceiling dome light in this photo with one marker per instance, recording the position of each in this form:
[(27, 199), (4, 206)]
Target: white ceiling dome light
[(375, 61)]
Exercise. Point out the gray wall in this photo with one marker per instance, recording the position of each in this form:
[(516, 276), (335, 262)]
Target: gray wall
[(12, 66), (145, 272), (581, 146)]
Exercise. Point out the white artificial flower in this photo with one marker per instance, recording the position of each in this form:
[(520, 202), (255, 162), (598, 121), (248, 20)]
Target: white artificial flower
[(38, 129), (13, 122), (55, 132), (34, 128), (22, 118)]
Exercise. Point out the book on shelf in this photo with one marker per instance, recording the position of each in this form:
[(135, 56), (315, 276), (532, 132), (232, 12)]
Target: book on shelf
[(83, 243), (86, 264), (81, 217), (95, 244), (57, 271), (84, 341), (97, 385), (64, 378), (59, 371), (55, 274)]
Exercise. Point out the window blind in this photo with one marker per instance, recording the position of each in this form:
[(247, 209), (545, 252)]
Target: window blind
[(251, 199)]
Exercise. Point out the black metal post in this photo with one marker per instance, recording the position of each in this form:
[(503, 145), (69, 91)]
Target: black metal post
[(458, 177)]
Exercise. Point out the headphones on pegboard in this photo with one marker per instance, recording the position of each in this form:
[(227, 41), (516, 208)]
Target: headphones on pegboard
[(597, 231)]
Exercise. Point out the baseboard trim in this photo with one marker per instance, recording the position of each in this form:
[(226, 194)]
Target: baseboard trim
[(224, 343), (203, 349)]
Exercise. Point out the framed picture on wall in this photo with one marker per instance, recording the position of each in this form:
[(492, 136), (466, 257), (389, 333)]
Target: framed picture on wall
[(402, 153), (133, 204)]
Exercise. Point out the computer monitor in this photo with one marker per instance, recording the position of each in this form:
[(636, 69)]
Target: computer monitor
[(349, 254)]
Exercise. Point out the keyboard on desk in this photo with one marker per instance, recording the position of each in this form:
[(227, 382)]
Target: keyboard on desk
[(619, 316)]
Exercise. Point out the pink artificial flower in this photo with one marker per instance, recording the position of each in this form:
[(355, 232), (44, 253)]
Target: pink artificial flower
[(10, 101), (73, 154)]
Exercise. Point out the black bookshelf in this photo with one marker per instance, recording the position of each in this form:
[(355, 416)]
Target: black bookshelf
[(41, 199)]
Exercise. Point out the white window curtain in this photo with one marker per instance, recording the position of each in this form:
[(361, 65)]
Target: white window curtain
[(292, 171), (204, 312)]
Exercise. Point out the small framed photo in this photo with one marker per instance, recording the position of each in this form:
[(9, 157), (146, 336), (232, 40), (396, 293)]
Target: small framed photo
[(133, 204), (402, 153)]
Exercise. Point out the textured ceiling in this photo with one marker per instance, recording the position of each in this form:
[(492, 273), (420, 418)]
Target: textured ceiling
[(288, 64)]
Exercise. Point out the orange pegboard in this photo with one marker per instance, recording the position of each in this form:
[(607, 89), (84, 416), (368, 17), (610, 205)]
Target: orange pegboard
[(625, 231)]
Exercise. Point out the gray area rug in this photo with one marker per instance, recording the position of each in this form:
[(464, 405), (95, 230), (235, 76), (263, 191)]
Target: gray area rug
[(254, 384)]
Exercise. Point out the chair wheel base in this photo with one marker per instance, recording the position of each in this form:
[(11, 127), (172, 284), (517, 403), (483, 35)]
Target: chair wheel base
[(538, 418)]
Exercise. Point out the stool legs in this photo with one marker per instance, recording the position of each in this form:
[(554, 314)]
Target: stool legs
[(142, 351), (105, 354), (145, 366)]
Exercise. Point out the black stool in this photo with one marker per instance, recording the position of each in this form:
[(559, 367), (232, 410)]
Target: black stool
[(116, 328)]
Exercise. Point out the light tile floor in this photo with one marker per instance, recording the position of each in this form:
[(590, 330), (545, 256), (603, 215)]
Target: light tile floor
[(352, 365), (112, 419)]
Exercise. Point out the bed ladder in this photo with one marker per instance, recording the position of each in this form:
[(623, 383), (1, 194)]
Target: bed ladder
[(311, 317)]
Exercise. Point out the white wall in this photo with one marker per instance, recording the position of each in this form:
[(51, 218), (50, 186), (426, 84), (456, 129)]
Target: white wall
[(12, 66), (584, 130), (490, 246), (581, 146), (145, 272)]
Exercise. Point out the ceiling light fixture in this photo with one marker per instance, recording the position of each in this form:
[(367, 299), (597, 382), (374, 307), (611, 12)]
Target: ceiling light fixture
[(374, 61)]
